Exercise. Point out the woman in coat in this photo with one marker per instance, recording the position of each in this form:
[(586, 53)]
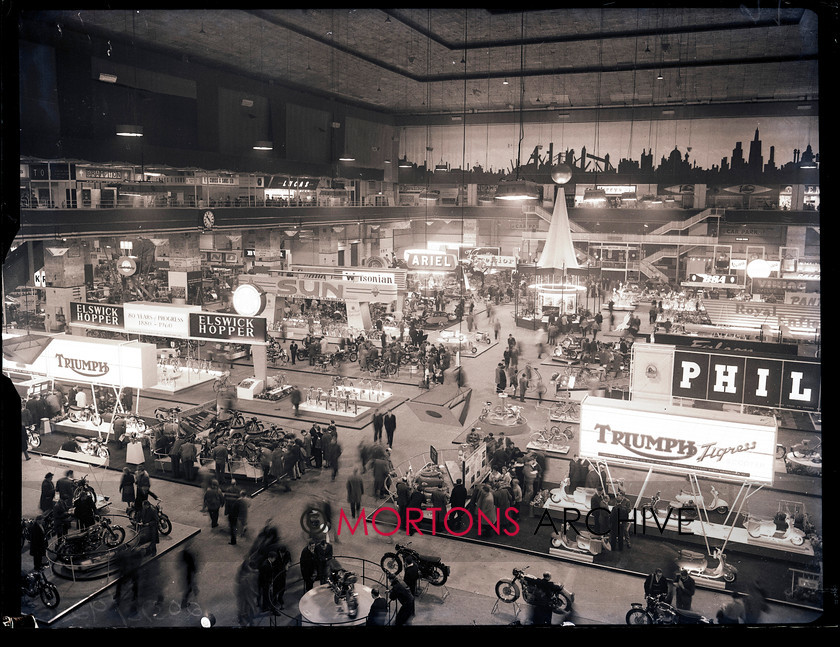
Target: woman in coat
[(127, 489)]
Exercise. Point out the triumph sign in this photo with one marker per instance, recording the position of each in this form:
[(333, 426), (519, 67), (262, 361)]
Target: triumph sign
[(722, 445)]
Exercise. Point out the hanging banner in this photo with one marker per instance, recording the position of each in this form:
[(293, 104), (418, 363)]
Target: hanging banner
[(716, 444), (230, 327), (101, 361), (145, 318), (99, 315), (747, 189), (757, 381), (310, 288)]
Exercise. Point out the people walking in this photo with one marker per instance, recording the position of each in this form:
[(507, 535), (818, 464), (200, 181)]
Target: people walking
[(378, 423), (390, 422), (295, 398), (47, 501), (127, 494), (214, 499), (684, 587), (401, 593), (355, 490)]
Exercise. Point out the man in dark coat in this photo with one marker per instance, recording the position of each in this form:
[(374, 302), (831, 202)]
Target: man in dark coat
[(61, 518), (403, 496), (175, 456), (503, 500), (47, 493), (232, 509), (458, 499), (577, 474), (415, 501), (65, 488), (37, 542), (295, 398), (293, 349), (390, 427), (401, 593), (684, 586), (656, 584), (188, 456), (439, 500), (380, 473), (85, 511), (317, 446), (378, 423), (501, 378), (220, 455), (308, 565), (378, 613), (323, 557), (600, 515), (355, 490)]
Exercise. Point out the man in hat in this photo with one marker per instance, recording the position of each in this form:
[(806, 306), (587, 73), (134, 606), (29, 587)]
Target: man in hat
[(47, 493)]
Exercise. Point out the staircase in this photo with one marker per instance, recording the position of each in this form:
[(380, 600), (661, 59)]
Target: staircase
[(539, 212), (647, 268), (682, 225)]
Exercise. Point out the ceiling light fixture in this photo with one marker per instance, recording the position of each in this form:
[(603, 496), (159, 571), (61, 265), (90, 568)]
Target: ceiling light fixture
[(264, 145), (505, 82), (129, 130), (346, 158), (107, 78), (659, 76), (404, 163)]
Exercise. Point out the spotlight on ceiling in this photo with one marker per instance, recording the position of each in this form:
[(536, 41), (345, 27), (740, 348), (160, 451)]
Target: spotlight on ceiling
[(129, 130), (107, 78), (264, 145), (404, 163), (346, 157), (516, 190)]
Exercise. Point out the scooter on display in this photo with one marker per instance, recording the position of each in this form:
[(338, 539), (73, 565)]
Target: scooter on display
[(697, 564), (585, 542), (580, 499), (688, 502), (769, 528)]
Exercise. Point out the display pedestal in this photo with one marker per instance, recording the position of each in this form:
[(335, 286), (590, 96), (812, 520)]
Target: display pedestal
[(318, 607), (249, 387), (134, 454)]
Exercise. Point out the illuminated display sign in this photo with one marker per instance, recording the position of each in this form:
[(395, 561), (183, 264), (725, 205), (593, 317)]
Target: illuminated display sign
[(214, 325), (756, 381), (146, 318), (96, 314), (728, 446), (712, 279), (428, 259), (491, 261)]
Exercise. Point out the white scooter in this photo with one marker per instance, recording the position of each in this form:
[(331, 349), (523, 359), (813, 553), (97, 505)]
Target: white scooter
[(762, 527), (697, 564), (688, 503), (580, 499), (585, 542)]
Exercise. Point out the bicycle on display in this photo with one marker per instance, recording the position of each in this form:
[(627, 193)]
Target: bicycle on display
[(568, 411), (222, 382), (85, 414), (553, 435)]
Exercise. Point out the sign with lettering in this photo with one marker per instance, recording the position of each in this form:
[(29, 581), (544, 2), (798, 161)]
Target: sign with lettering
[(780, 286), (232, 327), (99, 315), (146, 318), (722, 280), (319, 288), (430, 260), (102, 173), (711, 344), (102, 361), (777, 383), (803, 298), (494, 261), (227, 181), (721, 445), (747, 189)]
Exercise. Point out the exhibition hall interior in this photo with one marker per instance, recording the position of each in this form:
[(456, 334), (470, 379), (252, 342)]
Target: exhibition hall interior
[(318, 318)]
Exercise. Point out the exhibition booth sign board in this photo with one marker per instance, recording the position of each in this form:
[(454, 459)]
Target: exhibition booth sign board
[(98, 361), (308, 288), (378, 276), (216, 326), (721, 445), (165, 320)]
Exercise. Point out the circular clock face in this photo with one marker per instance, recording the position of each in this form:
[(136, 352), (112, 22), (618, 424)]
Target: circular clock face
[(248, 300), (209, 219)]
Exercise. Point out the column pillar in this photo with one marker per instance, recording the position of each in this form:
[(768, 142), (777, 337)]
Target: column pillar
[(184, 256), (64, 270)]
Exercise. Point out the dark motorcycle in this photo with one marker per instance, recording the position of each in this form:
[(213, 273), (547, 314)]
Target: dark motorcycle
[(164, 524), (524, 584), (342, 583), (659, 612), (341, 356), (35, 584), (84, 542), (431, 568)]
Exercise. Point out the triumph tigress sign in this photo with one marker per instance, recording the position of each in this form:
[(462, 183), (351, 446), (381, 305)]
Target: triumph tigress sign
[(723, 445)]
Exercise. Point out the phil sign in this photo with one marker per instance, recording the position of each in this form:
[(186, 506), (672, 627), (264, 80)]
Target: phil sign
[(231, 327), (757, 381), (728, 446)]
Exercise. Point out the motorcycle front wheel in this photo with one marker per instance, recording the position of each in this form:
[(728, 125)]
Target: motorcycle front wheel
[(506, 590), (114, 536), (437, 576), (49, 595), (34, 440), (164, 525), (638, 617), (391, 563), (722, 509), (103, 452), (797, 540), (729, 576)]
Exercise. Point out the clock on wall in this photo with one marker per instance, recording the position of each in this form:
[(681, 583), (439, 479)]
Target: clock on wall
[(208, 219)]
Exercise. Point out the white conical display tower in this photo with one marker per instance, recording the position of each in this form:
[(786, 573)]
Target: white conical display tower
[(559, 251)]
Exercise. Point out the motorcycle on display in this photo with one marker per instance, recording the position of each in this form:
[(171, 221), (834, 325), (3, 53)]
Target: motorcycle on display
[(802, 458), (36, 584), (688, 503), (83, 542), (92, 447), (431, 568), (340, 356), (697, 564), (33, 438), (164, 524), (85, 414), (780, 528), (658, 612), (342, 583), (524, 584)]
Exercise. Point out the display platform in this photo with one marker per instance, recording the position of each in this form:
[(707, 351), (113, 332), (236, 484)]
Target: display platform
[(185, 379), (549, 448), (445, 404), (87, 428), (75, 593), (318, 607)]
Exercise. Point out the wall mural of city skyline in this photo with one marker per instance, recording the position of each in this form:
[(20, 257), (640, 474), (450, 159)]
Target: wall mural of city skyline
[(690, 149)]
